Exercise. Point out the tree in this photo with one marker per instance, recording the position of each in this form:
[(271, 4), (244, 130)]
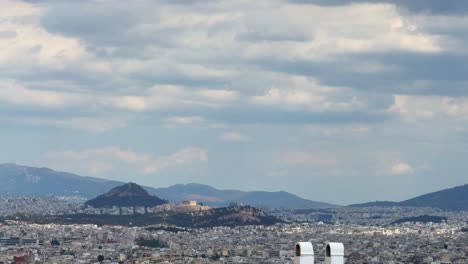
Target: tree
[(100, 258), (215, 257)]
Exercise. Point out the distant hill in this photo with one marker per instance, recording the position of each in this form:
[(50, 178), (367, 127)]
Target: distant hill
[(215, 197), (449, 199), (32, 181), (127, 195), (228, 216)]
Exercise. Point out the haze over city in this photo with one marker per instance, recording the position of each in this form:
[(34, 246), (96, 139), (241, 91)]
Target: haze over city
[(333, 100)]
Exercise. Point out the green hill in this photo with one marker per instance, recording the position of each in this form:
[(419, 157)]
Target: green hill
[(127, 195)]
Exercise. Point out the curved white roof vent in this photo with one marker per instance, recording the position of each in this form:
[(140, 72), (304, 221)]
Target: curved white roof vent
[(334, 253), (304, 253)]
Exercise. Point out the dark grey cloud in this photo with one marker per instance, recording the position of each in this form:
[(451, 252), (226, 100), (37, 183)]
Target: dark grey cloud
[(110, 23), (99, 23), (406, 72), (458, 7), (115, 23)]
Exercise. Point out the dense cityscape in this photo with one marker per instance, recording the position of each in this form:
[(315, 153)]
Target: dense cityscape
[(367, 234)]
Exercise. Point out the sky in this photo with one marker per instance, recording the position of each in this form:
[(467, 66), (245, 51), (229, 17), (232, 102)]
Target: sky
[(334, 100)]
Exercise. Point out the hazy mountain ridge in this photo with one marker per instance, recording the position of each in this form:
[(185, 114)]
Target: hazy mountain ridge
[(25, 180), (448, 199), (32, 181), (212, 196)]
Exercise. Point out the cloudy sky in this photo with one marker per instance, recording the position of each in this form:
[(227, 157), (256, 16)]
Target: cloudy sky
[(334, 100)]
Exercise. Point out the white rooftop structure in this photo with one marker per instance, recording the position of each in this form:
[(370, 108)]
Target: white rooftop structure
[(304, 253), (334, 253)]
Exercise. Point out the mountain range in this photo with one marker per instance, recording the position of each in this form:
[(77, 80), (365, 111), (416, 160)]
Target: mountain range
[(32, 181), (449, 199), (214, 197)]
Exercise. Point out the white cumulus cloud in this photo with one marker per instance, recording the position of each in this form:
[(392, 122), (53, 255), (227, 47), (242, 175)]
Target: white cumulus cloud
[(401, 168), (103, 160), (427, 107)]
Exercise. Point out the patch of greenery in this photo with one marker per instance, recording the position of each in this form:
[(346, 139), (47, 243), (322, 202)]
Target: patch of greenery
[(55, 242), (422, 219), (151, 243), (228, 216), (215, 257)]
